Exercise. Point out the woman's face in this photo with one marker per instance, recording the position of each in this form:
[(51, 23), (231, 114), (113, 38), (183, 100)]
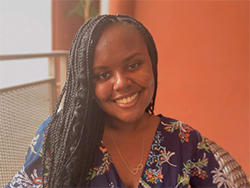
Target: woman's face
[(124, 80)]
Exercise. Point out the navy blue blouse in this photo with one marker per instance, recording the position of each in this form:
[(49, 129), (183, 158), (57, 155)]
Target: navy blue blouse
[(179, 157)]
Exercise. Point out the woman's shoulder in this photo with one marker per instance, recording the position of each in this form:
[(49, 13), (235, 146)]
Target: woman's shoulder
[(44, 125), (182, 130), (35, 147), (210, 165), (30, 174)]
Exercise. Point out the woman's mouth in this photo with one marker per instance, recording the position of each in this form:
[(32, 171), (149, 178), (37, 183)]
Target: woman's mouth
[(127, 100)]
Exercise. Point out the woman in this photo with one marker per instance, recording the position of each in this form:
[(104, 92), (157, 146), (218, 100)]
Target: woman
[(107, 135)]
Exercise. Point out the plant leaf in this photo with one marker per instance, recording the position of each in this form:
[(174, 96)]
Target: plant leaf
[(76, 10)]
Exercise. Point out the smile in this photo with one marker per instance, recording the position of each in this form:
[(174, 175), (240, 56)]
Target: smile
[(127, 100)]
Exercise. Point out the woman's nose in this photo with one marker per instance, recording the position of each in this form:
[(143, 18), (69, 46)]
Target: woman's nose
[(121, 82)]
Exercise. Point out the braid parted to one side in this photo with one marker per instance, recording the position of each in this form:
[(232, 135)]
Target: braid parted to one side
[(74, 134)]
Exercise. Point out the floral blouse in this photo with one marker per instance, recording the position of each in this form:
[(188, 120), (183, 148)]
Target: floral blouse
[(179, 157)]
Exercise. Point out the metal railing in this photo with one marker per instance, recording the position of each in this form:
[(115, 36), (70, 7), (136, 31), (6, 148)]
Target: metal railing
[(23, 108)]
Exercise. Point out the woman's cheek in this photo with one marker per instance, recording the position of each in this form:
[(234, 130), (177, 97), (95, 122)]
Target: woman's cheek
[(146, 79), (102, 91)]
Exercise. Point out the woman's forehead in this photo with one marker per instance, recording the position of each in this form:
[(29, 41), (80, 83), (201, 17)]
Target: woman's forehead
[(117, 44), (119, 35)]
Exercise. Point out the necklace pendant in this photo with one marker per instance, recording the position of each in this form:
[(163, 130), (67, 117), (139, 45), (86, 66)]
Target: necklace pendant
[(134, 171), (139, 166)]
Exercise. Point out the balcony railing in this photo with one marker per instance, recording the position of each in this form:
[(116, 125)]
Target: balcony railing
[(23, 108)]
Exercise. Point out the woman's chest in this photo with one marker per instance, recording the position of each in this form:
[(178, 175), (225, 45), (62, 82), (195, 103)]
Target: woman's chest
[(162, 164)]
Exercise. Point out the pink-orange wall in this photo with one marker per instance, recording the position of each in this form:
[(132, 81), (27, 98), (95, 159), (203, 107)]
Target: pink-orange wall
[(63, 29), (203, 51)]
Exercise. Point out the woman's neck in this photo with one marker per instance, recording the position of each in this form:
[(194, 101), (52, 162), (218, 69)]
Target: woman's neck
[(127, 127)]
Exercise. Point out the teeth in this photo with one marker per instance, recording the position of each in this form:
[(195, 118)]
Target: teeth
[(127, 100)]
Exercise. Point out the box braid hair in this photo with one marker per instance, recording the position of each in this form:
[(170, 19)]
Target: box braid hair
[(74, 134)]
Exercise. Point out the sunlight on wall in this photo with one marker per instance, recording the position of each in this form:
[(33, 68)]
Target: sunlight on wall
[(25, 27)]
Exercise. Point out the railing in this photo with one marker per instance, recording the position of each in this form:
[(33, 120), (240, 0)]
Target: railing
[(52, 56), (23, 108)]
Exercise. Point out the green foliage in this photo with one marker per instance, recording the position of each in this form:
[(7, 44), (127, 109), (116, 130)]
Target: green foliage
[(183, 180), (144, 183), (81, 7), (179, 178), (202, 145), (77, 9)]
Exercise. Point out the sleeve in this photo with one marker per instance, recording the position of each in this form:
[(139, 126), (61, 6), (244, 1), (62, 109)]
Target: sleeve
[(214, 167), (30, 174), (203, 165)]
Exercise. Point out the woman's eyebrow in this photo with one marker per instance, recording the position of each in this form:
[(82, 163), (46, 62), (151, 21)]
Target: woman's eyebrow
[(100, 68), (132, 56)]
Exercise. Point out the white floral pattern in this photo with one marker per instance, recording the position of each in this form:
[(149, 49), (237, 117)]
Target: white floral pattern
[(222, 179)]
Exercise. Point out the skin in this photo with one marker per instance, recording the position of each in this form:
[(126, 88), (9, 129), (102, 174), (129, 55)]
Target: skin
[(124, 86)]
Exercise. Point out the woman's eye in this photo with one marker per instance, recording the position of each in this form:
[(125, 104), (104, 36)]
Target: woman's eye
[(133, 66), (103, 76)]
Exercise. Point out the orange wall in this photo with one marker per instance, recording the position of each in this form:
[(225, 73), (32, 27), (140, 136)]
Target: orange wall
[(63, 29), (203, 66)]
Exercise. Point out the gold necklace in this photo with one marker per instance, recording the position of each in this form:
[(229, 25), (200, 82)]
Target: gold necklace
[(140, 165)]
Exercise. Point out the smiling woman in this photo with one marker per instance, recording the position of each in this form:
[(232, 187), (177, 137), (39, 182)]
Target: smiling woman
[(107, 135), (125, 81)]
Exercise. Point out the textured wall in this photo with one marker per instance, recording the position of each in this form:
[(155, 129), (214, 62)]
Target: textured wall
[(203, 66)]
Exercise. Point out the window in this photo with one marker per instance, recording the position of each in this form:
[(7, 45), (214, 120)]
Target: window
[(25, 27)]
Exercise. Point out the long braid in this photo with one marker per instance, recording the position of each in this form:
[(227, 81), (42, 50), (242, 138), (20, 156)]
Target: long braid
[(55, 133), (80, 110), (74, 84), (74, 134)]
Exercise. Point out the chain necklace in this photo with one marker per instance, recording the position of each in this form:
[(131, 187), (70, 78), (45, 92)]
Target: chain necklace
[(140, 165)]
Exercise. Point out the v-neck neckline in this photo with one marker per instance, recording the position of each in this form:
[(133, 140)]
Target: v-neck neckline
[(144, 167)]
